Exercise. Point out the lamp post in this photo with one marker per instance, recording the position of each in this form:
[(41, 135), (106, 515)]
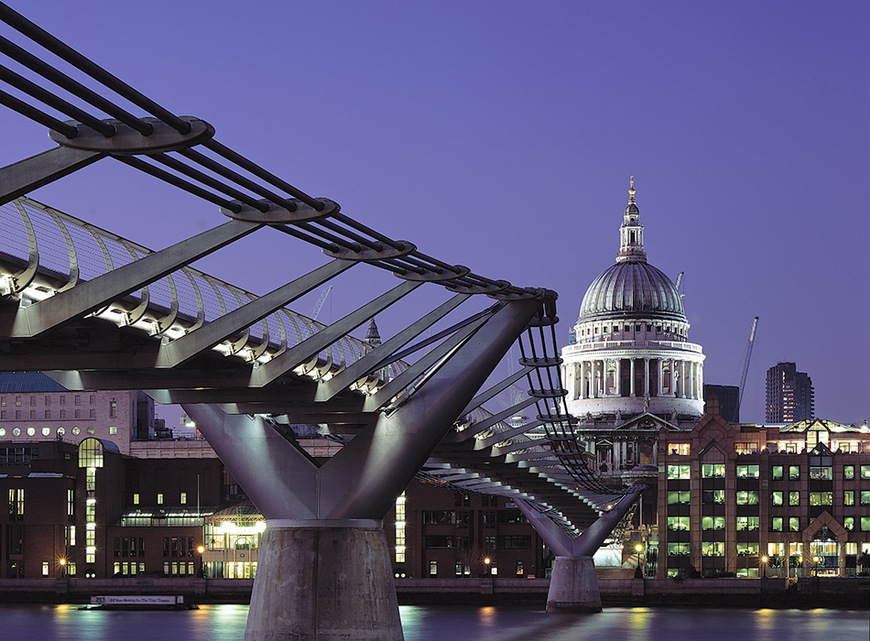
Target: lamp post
[(201, 550), (487, 562), (815, 566), (764, 560), (62, 564), (638, 548)]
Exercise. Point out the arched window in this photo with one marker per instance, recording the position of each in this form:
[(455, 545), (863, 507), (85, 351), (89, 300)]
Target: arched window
[(90, 453)]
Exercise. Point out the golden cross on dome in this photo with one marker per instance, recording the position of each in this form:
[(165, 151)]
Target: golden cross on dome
[(631, 191)]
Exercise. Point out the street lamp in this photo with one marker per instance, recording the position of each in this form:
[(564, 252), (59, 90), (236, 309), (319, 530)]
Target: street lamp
[(487, 562), (201, 549), (815, 566), (764, 560), (638, 548), (62, 564)]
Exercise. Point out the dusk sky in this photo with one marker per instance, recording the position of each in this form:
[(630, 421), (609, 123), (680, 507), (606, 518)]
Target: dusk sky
[(501, 135)]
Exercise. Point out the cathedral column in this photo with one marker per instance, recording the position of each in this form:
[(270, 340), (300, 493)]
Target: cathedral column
[(631, 377), (659, 385), (583, 380), (646, 388)]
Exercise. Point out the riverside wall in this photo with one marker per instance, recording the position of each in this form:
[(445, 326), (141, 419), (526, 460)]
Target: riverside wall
[(809, 592)]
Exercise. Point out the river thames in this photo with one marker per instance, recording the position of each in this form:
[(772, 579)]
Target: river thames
[(433, 623)]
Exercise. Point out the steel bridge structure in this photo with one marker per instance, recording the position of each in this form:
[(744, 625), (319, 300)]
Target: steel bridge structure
[(97, 311)]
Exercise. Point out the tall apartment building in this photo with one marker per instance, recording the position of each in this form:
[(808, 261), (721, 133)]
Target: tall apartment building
[(789, 395)]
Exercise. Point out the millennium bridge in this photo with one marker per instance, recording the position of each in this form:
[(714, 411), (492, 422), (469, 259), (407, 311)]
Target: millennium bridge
[(96, 311)]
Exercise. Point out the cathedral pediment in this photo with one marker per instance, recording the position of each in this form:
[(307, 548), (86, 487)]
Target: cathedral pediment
[(647, 422)]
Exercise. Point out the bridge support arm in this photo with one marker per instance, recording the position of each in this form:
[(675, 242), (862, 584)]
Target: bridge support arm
[(574, 583)]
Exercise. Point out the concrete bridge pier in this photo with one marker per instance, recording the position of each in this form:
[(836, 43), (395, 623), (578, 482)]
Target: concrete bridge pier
[(324, 571), (332, 577), (574, 583)]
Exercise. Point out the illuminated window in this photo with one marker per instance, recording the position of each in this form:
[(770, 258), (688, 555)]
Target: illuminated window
[(713, 497), (678, 549), (776, 498), (865, 472), (794, 524), (748, 523), (680, 449), (16, 504), (747, 471), (182, 499), (45, 568), (794, 472), (713, 548), (678, 471), (776, 524), (747, 549), (675, 498), (794, 498), (678, 523), (848, 497), (747, 498), (160, 498), (433, 568), (90, 452), (865, 497), (135, 498), (776, 472), (713, 471), (713, 523), (746, 448), (849, 523), (865, 523), (821, 498), (848, 472)]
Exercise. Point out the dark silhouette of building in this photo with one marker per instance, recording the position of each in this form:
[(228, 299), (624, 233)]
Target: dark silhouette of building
[(729, 400), (789, 395)]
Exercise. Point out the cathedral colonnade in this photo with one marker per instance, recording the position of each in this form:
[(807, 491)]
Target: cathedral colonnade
[(591, 378)]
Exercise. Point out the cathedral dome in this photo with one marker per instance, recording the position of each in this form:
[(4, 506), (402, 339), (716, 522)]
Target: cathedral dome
[(631, 289)]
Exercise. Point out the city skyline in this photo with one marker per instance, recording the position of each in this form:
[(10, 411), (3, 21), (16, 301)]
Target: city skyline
[(505, 141)]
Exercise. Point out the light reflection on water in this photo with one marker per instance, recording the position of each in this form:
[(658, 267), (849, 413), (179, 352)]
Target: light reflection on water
[(441, 623)]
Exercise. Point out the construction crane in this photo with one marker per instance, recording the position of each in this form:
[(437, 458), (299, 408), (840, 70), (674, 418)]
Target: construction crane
[(746, 363), (320, 302)]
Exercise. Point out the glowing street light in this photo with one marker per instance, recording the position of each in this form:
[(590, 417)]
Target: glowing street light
[(764, 560)]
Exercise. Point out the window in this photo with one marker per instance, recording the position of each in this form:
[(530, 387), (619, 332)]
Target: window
[(794, 498), (16, 504), (849, 497), (713, 548), (865, 497), (776, 524), (70, 503), (675, 498), (678, 549), (821, 498), (45, 568), (776, 498), (113, 430), (821, 473), (849, 523), (865, 472), (48, 414), (748, 523), (747, 498), (747, 549), (31, 431), (713, 471), (678, 471), (776, 473), (678, 523), (794, 472), (794, 524), (747, 471), (746, 448), (183, 498), (715, 497), (135, 498), (848, 472), (433, 568), (865, 523), (713, 523), (680, 449), (160, 498), (113, 409)]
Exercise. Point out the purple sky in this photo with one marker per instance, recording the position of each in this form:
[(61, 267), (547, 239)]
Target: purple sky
[(501, 135)]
